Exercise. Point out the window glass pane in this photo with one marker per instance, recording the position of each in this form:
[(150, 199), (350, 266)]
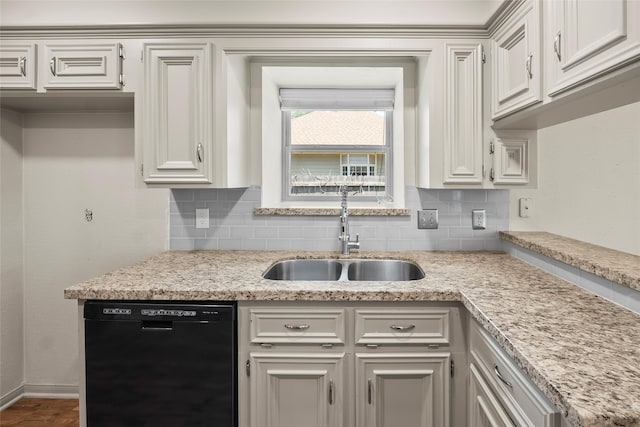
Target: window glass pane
[(321, 173), (332, 148)]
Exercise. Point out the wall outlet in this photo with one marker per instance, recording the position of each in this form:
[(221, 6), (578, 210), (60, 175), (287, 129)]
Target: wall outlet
[(202, 218), (428, 219), (478, 219), (524, 208)]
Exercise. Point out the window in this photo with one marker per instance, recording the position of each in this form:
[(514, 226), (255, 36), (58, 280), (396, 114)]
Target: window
[(333, 81), (334, 138)]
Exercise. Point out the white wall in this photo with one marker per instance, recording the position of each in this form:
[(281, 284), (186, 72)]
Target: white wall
[(589, 181), (74, 162), (11, 256)]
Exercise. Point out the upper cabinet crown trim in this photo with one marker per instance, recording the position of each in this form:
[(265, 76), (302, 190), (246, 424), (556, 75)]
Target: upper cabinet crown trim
[(150, 31)]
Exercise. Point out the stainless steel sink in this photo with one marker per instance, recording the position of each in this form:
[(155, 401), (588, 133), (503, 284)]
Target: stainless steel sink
[(384, 270), (305, 269), (391, 270)]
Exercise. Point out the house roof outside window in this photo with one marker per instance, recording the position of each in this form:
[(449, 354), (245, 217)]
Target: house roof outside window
[(338, 128)]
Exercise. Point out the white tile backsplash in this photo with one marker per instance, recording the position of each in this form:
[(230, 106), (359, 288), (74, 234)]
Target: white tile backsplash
[(233, 225)]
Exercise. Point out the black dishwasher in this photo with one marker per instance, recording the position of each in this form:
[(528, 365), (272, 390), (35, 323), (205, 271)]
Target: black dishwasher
[(160, 364)]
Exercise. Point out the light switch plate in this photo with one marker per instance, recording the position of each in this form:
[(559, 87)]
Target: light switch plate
[(479, 219), (202, 218), (428, 219)]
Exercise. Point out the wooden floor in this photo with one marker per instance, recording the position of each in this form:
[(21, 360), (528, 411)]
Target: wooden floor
[(29, 412)]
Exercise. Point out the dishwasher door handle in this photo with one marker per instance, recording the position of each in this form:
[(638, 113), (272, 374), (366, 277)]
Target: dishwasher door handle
[(157, 325)]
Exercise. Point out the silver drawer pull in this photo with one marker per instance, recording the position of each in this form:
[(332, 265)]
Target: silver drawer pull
[(23, 69), (500, 377), (331, 392), (402, 328), (369, 391), (296, 327), (52, 65)]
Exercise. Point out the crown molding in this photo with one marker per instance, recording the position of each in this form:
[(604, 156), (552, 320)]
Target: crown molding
[(247, 31), (502, 14)]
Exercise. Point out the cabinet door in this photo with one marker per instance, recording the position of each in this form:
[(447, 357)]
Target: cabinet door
[(590, 38), (83, 66), (18, 66), (463, 114), (402, 390), (295, 390), (484, 408), (516, 62), (177, 130)]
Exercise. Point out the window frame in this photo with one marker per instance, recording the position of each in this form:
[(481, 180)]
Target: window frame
[(288, 148)]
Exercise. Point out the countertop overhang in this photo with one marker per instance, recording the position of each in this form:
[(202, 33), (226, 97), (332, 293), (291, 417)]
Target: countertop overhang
[(581, 350)]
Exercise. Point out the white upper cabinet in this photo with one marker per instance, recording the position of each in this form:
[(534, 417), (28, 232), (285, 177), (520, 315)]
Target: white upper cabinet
[(516, 61), (463, 114), (587, 39), (83, 66), (61, 65), (18, 66), (177, 113)]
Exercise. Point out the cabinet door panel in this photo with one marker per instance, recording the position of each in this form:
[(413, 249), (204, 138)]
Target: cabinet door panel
[(591, 27), (177, 120), (402, 390), (588, 39), (516, 62), (463, 114), (297, 389)]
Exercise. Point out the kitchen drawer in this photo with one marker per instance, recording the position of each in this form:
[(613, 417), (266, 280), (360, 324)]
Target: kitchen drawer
[(83, 66), (295, 326), (402, 326), (484, 407), (526, 405), (18, 66)]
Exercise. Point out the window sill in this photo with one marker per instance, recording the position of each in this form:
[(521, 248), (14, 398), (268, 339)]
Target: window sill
[(329, 212)]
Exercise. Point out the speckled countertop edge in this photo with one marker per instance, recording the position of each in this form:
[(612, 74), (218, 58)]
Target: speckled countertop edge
[(617, 266), (582, 351)]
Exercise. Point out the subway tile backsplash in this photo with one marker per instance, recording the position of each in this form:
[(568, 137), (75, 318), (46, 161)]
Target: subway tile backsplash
[(232, 224)]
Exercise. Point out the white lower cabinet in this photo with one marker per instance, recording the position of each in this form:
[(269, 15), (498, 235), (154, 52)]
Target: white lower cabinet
[(347, 364), (499, 393), (293, 390), (484, 408), (402, 389)]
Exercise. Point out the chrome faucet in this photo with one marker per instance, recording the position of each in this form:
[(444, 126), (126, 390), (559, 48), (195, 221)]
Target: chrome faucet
[(344, 237)]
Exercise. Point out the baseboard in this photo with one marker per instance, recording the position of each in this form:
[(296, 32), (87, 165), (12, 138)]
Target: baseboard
[(43, 391), (11, 397), (51, 391)]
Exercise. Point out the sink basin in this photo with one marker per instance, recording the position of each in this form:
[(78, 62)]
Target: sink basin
[(305, 269), (384, 270), (389, 270)]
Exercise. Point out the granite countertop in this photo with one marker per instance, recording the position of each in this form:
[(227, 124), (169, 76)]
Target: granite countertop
[(581, 350), (617, 266)]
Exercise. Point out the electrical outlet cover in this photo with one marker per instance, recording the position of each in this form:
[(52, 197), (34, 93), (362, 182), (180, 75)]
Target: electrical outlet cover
[(479, 219)]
